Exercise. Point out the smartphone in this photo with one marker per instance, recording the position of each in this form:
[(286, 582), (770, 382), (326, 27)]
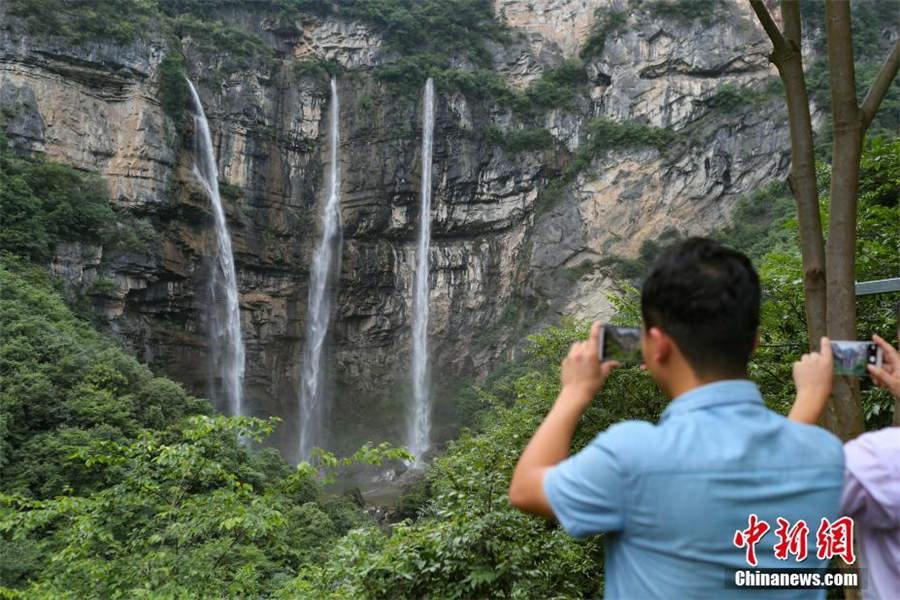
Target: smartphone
[(620, 343), (852, 358)]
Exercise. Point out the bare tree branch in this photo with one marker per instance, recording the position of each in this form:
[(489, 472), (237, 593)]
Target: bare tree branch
[(762, 13), (880, 86)]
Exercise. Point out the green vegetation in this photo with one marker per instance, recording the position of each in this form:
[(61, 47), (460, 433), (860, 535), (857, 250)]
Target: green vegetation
[(729, 97), (556, 87), (870, 17), (687, 11), (173, 90), (518, 140), (85, 21), (316, 68), (467, 542), (606, 21), (632, 269), (117, 483), (600, 136), (762, 221), (43, 203), (215, 38), (765, 226)]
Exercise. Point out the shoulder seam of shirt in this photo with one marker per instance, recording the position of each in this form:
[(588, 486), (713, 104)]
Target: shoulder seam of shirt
[(702, 469)]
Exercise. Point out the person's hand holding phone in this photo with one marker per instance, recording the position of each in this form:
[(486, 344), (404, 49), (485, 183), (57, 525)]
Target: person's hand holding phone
[(813, 377), (888, 375), (582, 374)]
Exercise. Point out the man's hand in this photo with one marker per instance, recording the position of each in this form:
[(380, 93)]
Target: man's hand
[(582, 376), (582, 372), (888, 376), (813, 376)]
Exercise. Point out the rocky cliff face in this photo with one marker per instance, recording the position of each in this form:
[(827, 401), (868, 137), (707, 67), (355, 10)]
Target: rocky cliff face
[(499, 259)]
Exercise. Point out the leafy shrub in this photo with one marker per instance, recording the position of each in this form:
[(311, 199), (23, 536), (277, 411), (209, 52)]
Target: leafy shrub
[(43, 203), (728, 96), (84, 21), (115, 483), (173, 89), (687, 11), (234, 48), (606, 21), (518, 140), (316, 68), (556, 87)]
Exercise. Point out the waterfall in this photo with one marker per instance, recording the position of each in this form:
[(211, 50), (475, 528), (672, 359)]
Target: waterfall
[(312, 401), (227, 347), (419, 421)]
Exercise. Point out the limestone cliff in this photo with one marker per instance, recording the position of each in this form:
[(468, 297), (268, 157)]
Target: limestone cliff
[(500, 259)]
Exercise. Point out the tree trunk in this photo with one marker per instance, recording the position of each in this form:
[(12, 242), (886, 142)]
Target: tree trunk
[(787, 58), (840, 251)]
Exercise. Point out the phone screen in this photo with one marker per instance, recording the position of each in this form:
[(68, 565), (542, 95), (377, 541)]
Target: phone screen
[(622, 344), (851, 358)]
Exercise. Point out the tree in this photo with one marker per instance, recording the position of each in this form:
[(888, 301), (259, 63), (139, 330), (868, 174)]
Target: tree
[(828, 269)]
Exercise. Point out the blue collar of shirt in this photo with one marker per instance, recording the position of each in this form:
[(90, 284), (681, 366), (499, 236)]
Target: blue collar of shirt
[(729, 391)]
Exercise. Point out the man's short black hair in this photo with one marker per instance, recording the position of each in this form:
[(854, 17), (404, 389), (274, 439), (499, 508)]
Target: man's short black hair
[(706, 298)]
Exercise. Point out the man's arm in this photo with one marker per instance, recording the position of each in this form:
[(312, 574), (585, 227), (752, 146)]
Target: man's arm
[(582, 377), (813, 377)]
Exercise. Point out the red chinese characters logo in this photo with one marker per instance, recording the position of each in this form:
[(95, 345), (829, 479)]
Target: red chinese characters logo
[(749, 537), (833, 538), (791, 541)]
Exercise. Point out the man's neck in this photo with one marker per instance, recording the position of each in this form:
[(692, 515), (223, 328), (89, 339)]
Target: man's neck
[(687, 380)]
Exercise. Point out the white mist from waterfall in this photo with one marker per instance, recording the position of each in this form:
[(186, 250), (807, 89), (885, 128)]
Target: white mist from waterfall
[(227, 346), (419, 419), (312, 399)]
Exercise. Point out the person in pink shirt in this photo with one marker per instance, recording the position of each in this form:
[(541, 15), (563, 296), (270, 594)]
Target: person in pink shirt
[(871, 495)]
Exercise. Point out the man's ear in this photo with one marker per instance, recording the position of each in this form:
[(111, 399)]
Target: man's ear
[(660, 345), (756, 340)]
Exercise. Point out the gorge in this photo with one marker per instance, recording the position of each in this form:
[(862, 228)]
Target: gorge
[(566, 135)]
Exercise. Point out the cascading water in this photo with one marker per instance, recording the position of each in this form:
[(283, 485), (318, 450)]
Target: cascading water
[(227, 346), (312, 400), (419, 421)]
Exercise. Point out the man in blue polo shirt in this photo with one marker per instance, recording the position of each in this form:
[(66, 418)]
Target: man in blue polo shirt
[(684, 502)]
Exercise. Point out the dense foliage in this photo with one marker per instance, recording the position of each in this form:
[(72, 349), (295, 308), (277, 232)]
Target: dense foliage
[(82, 21), (43, 203), (870, 48), (116, 483)]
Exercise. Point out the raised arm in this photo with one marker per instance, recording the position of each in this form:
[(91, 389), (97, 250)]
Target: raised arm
[(813, 375), (582, 377)]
